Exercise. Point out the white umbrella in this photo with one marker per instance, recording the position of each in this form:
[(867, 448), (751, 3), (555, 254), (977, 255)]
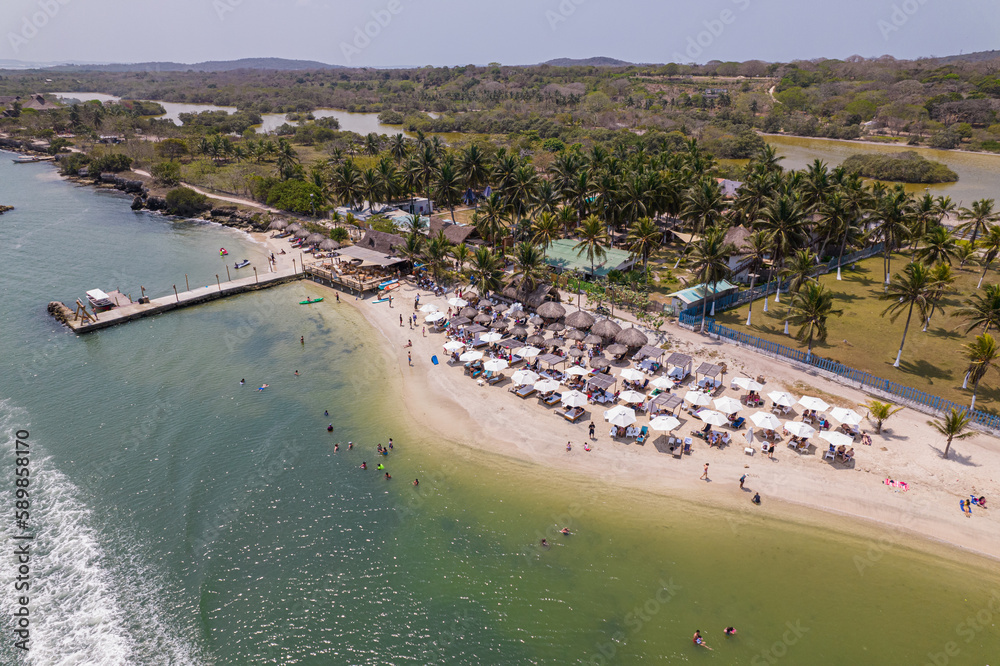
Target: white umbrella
[(522, 377), (713, 417), (781, 398), (632, 397), (428, 307), (697, 398), (765, 420), (574, 399), (494, 365), (472, 355), (632, 375), (433, 317), (528, 352), (577, 370), (491, 337), (664, 423), (800, 429), (546, 385), (457, 302), (748, 384), (848, 416), (662, 382), (810, 402), (728, 405), (620, 416), (453, 346), (837, 438)]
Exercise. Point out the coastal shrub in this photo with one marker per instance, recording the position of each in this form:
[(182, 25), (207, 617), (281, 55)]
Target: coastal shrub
[(294, 195), (390, 117), (906, 167), (186, 202), (166, 173), (944, 140), (70, 164), (110, 163), (339, 234), (171, 149)]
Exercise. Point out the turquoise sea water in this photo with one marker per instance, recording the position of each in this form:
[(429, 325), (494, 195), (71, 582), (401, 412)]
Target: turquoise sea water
[(184, 519)]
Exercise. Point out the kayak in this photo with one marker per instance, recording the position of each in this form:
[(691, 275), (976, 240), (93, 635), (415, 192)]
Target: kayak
[(389, 287), (310, 300), (383, 285), (245, 262)]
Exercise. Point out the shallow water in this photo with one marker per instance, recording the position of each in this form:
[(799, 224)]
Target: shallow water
[(184, 518)]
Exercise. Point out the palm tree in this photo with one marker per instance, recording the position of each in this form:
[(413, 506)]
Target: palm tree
[(545, 230), (346, 185), (879, 412), (982, 309), (784, 221), (703, 205), (810, 308), (757, 247), (953, 426), (982, 354), (398, 148), (977, 219), (939, 247), (487, 271), (461, 253), (965, 252), (472, 166), (711, 263), (413, 246), (893, 213), (448, 186), (436, 254), (799, 270), (644, 238), (593, 238), (942, 278), (490, 218), (908, 290), (528, 265), (991, 243)]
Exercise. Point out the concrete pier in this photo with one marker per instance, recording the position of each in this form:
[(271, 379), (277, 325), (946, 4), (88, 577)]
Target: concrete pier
[(182, 299)]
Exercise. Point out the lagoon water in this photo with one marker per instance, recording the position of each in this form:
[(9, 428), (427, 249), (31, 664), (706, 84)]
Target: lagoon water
[(183, 518)]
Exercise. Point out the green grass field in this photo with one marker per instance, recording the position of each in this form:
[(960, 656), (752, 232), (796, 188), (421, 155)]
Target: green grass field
[(933, 362)]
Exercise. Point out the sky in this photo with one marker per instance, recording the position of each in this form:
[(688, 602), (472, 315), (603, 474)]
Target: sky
[(390, 33)]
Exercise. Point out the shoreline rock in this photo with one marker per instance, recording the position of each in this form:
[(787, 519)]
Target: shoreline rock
[(4, 209)]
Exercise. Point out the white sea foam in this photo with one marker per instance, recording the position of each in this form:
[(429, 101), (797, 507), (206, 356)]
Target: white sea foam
[(84, 608)]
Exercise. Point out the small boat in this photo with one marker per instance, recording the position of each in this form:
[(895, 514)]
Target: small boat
[(310, 301), (241, 264), (223, 252), (25, 159)]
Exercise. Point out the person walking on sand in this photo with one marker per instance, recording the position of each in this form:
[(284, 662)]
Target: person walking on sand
[(423, 331), (337, 294), (742, 479), (401, 321), (704, 475), (592, 428), (409, 358)]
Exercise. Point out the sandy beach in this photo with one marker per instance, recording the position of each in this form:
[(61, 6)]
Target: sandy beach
[(793, 486)]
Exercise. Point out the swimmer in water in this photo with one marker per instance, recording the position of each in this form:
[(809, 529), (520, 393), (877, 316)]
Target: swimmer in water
[(242, 381), (262, 387), (387, 477), (380, 466), (326, 412), (416, 482), (730, 631), (698, 640), (296, 373), (545, 544), (364, 465), (564, 530), (302, 339), (329, 428), (350, 445)]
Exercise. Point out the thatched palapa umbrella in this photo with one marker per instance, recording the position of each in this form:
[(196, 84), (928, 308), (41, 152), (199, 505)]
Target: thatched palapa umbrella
[(277, 225), (293, 227), (329, 244), (599, 362), (631, 337), (580, 319), (576, 353), (518, 331), (616, 349), (301, 233), (536, 321), (536, 340), (605, 328), (593, 340), (550, 310), (574, 334), (483, 319), (469, 312), (316, 239), (555, 326)]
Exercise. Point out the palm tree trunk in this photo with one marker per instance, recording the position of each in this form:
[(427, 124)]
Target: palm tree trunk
[(750, 309), (903, 341), (704, 310), (975, 388), (947, 447), (983, 275), (840, 257)]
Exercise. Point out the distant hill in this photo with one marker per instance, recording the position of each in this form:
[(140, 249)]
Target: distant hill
[(978, 56), (599, 61), (279, 64)]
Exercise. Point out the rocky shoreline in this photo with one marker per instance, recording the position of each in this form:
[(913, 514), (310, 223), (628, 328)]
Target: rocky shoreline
[(4, 209)]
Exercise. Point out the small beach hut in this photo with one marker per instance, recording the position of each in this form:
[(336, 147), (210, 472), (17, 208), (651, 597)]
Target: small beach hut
[(277, 225), (679, 364), (329, 244)]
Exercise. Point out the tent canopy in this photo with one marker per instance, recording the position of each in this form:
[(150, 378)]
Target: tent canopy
[(369, 256)]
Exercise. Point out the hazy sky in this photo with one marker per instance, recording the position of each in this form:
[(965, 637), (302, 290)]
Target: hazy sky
[(456, 32)]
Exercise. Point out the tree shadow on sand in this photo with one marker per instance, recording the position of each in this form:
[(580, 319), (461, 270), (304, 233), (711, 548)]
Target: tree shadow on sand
[(923, 368), (956, 457)]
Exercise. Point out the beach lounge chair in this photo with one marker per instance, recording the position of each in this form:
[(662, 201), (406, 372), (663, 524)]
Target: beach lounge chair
[(496, 378), (643, 435), (476, 373), (687, 445), (831, 453), (552, 399), (572, 414), (525, 391), (738, 423), (803, 446), (678, 448)]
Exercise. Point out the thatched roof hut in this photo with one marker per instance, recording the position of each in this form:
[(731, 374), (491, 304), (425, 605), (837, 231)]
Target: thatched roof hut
[(605, 328), (575, 334), (631, 337), (518, 330), (550, 310), (555, 326), (329, 244), (534, 298), (301, 233), (316, 239), (469, 311), (580, 319), (616, 349), (277, 225), (293, 227), (593, 339), (482, 319), (536, 340)]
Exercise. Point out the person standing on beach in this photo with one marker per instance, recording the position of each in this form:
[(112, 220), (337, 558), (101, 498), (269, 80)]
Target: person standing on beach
[(401, 321), (302, 339), (337, 294), (742, 479), (390, 302), (593, 428), (423, 331), (704, 475), (409, 359)]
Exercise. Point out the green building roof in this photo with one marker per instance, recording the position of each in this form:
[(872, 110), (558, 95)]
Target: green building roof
[(696, 293), (562, 255)]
